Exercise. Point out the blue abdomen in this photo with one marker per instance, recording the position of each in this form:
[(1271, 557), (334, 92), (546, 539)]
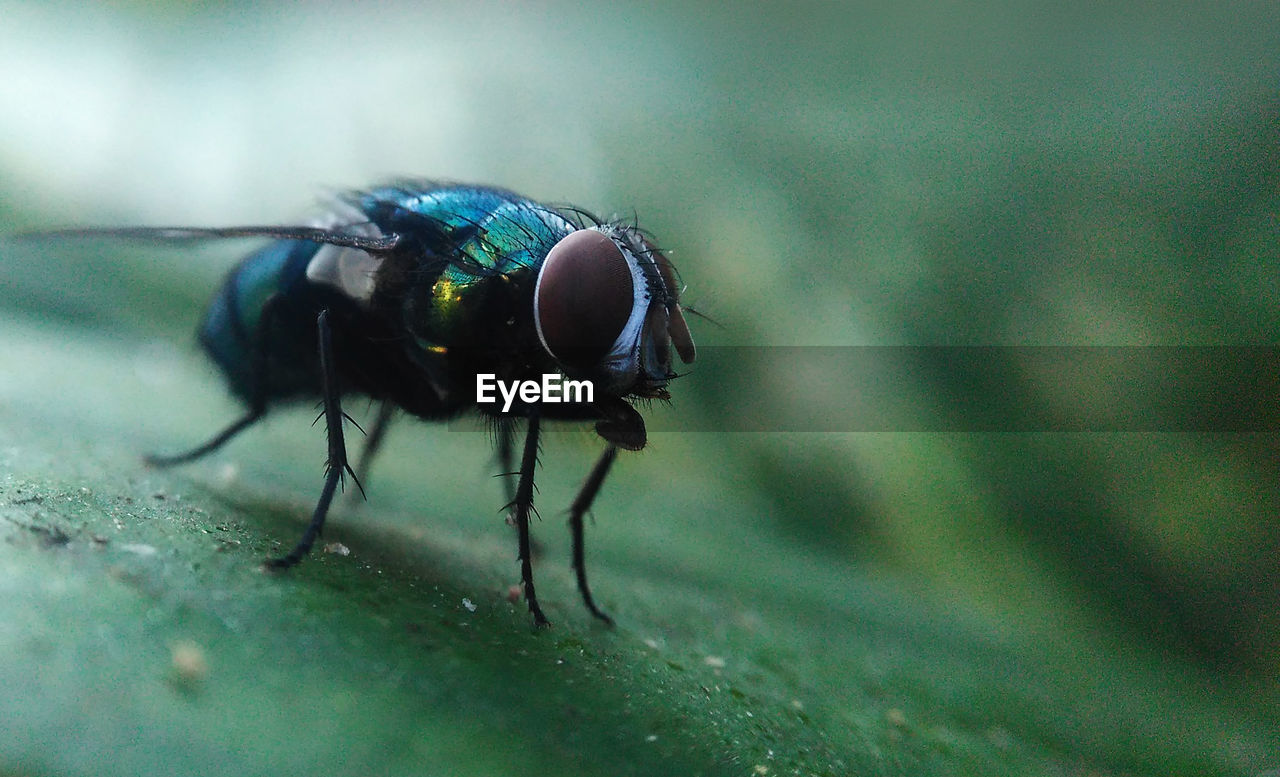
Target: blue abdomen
[(230, 330)]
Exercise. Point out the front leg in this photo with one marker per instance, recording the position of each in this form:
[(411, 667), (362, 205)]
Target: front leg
[(524, 505), (336, 465), (581, 504)]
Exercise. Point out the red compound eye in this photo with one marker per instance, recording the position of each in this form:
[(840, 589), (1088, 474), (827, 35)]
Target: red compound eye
[(583, 298)]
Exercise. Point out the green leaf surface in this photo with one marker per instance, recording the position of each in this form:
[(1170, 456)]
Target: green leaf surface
[(140, 634)]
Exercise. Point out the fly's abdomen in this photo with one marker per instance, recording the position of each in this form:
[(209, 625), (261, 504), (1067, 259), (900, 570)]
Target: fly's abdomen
[(232, 331)]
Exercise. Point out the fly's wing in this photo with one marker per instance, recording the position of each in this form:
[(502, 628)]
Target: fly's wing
[(352, 243), (373, 244), (440, 223)]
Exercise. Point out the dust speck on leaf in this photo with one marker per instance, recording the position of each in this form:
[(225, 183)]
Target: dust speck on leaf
[(228, 473), (189, 665)]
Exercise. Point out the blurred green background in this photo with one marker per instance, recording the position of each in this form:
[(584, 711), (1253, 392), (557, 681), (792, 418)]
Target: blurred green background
[(829, 174)]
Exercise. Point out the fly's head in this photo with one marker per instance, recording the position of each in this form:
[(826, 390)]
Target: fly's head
[(607, 309)]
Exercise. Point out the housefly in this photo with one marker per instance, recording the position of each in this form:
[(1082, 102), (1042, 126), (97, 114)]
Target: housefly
[(414, 294)]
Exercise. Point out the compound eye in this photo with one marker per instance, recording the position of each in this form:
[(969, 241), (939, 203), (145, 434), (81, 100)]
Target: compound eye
[(583, 298)]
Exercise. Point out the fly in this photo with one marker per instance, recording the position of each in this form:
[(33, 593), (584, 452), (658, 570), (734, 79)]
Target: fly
[(407, 293)]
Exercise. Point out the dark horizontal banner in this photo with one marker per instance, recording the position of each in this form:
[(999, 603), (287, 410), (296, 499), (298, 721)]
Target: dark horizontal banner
[(974, 389)]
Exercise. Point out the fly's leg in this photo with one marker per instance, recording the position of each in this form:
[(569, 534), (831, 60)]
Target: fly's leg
[(256, 411), (257, 402), (524, 506), (581, 504), (377, 433), (336, 465), (506, 462)]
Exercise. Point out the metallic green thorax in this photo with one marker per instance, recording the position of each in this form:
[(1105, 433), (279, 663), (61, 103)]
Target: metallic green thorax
[(462, 285)]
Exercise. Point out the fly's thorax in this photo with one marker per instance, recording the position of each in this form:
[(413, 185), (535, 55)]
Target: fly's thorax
[(454, 325), (606, 307), (464, 278)]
